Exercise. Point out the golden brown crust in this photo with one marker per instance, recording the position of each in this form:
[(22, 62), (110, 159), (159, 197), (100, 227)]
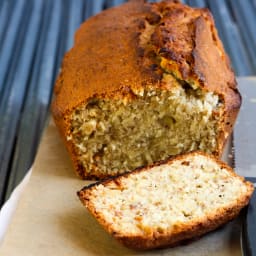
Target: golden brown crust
[(108, 60), (103, 58), (181, 233)]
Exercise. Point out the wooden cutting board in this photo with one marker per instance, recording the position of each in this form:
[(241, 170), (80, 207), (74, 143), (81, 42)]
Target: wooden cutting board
[(50, 220)]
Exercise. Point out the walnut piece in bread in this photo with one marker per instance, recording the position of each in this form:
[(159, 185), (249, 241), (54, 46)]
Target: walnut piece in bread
[(144, 81), (169, 202)]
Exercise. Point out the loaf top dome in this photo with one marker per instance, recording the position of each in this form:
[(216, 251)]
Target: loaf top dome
[(127, 48)]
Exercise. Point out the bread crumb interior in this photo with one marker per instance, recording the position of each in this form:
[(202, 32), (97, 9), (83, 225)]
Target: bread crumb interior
[(167, 196), (117, 135)]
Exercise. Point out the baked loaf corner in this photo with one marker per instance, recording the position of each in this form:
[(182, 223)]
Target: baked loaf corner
[(167, 203), (144, 81)]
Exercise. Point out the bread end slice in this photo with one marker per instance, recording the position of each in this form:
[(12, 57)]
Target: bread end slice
[(167, 203)]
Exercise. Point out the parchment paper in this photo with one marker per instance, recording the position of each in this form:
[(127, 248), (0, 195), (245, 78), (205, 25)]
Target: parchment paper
[(50, 220)]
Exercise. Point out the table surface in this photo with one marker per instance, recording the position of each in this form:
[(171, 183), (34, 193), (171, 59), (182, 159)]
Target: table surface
[(34, 34)]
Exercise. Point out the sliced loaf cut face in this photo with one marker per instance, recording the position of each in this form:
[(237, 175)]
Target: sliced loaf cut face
[(169, 202)]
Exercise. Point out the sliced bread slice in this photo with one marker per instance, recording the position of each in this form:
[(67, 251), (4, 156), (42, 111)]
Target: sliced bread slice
[(164, 204)]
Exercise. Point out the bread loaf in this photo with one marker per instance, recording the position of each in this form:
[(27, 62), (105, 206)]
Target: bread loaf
[(169, 202), (144, 81)]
